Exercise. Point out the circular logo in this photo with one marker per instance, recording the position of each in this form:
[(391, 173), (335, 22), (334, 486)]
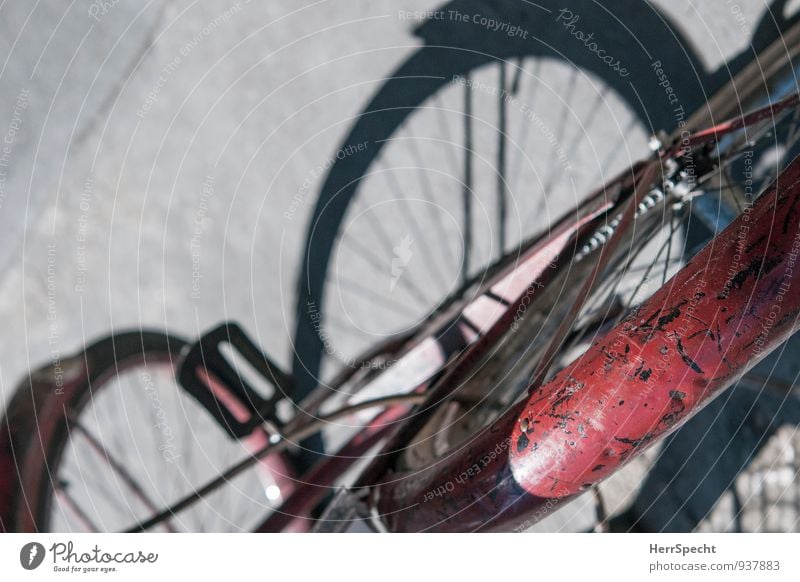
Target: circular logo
[(31, 555)]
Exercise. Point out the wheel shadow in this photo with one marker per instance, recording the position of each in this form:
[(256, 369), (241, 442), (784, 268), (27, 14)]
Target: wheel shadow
[(455, 48)]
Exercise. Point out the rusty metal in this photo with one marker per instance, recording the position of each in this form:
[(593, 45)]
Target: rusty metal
[(731, 305)]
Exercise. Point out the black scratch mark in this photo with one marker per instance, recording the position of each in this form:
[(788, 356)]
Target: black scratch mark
[(687, 360), (522, 442)]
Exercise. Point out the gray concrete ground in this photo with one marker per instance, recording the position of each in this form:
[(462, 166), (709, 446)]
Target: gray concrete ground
[(156, 148)]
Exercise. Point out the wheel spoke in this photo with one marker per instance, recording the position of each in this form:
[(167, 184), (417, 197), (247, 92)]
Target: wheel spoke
[(380, 234), (427, 192), (554, 148), (502, 115), (376, 298), (118, 468), (368, 256), (441, 121), (672, 228), (466, 193), (413, 226), (518, 165)]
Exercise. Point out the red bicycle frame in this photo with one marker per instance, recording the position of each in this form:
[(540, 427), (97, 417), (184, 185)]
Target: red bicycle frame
[(731, 305), (726, 309)]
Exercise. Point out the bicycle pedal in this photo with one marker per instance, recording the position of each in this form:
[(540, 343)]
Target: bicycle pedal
[(222, 383)]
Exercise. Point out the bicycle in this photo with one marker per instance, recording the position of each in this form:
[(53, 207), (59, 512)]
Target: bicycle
[(444, 452)]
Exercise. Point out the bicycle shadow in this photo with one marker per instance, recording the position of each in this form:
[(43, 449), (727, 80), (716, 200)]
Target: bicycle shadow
[(452, 48)]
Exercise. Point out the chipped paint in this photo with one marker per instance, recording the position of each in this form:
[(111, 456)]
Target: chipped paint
[(692, 339)]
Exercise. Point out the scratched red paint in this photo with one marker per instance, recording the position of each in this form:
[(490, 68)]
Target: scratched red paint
[(737, 299), (732, 304)]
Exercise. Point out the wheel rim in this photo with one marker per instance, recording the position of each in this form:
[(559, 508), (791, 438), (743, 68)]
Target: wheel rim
[(133, 444)]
